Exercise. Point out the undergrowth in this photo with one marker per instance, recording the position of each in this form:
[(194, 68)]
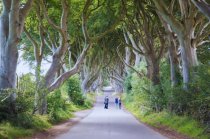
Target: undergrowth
[(181, 124)]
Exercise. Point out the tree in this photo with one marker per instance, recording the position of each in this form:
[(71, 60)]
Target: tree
[(185, 27), (59, 41), (147, 37), (203, 7), (11, 26)]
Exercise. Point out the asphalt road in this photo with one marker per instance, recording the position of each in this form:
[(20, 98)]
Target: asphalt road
[(110, 123)]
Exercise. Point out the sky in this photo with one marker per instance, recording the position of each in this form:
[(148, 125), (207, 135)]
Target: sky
[(23, 67)]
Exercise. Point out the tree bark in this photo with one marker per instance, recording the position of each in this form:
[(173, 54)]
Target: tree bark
[(8, 64), (84, 84), (127, 58), (187, 61), (137, 58), (153, 70), (37, 91), (174, 69), (127, 52), (8, 55), (184, 31), (203, 6), (11, 26)]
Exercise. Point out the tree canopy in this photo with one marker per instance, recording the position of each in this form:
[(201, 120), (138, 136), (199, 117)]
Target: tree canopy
[(163, 43)]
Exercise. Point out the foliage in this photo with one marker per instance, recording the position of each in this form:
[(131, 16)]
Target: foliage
[(149, 97), (182, 106), (60, 108), (57, 107), (139, 94), (127, 83), (182, 124), (11, 132), (15, 102), (10, 108), (25, 124), (89, 100), (141, 103), (29, 121), (195, 101), (106, 83), (74, 90), (204, 54), (199, 106)]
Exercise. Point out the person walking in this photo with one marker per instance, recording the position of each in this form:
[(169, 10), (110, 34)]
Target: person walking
[(116, 102), (120, 103), (106, 102)]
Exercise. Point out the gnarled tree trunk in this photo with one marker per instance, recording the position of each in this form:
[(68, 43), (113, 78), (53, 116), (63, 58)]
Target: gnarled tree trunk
[(11, 27)]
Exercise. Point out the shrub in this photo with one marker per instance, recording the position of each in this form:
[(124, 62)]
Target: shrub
[(196, 100), (74, 90), (11, 106), (127, 83), (140, 93), (7, 131), (57, 107), (199, 105)]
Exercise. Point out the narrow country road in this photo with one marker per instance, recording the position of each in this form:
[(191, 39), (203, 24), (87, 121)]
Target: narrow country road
[(110, 123)]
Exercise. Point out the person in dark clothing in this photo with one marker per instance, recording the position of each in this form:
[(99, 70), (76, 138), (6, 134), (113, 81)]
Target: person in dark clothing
[(106, 102), (116, 102), (120, 103)]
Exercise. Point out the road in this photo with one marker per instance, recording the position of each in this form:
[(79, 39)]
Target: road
[(110, 123)]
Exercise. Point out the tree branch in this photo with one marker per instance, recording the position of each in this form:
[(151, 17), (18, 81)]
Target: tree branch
[(24, 11), (115, 78), (71, 72), (162, 10), (138, 73), (203, 6), (59, 29)]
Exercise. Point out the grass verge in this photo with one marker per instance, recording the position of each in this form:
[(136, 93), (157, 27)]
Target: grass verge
[(27, 124), (10, 130), (181, 124)]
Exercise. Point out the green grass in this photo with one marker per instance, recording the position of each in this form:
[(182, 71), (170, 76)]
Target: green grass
[(27, 124), (182, 124), (61, 115), (41, 122), (90, 100), (11, 132)]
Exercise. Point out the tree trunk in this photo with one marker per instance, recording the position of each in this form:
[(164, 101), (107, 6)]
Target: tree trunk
[(137, 58), (194, 55), (51, 73), (37, 91), (84, 85), (188, 59), (127, 58), (149, 69), (8, 55), (174, 65), (49, 79), (118, 87), (11, 27), (153, 70), (156, 73)]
